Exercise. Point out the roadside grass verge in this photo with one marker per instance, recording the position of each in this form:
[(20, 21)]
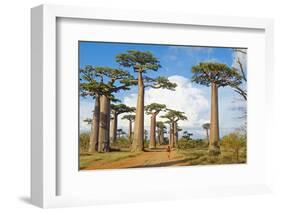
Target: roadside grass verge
[(87, 159)]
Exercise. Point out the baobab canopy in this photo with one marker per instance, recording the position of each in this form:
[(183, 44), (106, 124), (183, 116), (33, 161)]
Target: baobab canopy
[(140, 61), (220, 74)]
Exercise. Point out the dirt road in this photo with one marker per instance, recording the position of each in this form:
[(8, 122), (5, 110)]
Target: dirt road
[(149, 158)]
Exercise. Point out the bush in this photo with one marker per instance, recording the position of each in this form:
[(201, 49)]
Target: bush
[(121, 142), (234, 142), (189, 144), (84, 140)]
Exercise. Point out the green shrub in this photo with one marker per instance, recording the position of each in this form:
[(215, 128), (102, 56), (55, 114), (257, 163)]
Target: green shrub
[(234, 142), (189, 144), (84, 140), (121, 143)]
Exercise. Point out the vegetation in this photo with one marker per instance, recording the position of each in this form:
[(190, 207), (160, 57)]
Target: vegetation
[(173, 117), (131, 118), (142, 62), (234, 142), (153, 110), (215, 75), (118, 109), (206, 127), (166, 141)]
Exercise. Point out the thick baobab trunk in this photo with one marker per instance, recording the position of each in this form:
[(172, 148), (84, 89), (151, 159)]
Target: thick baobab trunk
[(94, 136), (103, 143), (175, 133), (130, 131), (214, 147), (111, 130), (114, 126), (159, 136), (152, 140), (207, 135), (138, 141)]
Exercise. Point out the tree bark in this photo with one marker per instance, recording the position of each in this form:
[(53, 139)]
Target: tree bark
[(207, 134), (175, 133), (152, 140), (130, 131), (159, 136), (138, 141), (162, 136), (214, 147), (104, 127), (111, 130), (114, 127), (171, 136), (93, 144)]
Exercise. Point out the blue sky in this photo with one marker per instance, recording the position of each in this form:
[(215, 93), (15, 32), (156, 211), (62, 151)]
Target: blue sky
[(176, 62)]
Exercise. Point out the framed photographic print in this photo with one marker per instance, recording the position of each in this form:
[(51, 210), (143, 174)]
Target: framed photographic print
[(148, 105)]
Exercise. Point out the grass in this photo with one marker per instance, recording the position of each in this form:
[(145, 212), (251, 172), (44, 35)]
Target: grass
[(200, 156), (87, 159)]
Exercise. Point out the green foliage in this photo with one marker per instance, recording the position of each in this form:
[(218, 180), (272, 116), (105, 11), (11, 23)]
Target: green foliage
[(206, 126), (121, 143), (160, 82), (121, 108), (220, 74), (186, 135), (140, 61), (161, 125), (234, 142), (129, 117), (84, 140), (174, 116), (88, 121), (154, 108), (97, 81), (184, 144)]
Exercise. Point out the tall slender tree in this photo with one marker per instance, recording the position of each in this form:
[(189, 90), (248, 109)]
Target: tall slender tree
[(118, 109), (142, 62), (161, 130), (153, 110), (206, 127), (131, 119), (173, 117), (215, 75)]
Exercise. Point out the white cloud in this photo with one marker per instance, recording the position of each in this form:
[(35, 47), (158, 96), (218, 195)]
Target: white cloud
[(86, 109), (185, 98)]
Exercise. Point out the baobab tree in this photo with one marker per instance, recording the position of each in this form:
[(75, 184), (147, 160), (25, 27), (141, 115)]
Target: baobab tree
[(91, 84), (171, 131), (142, 62), (173, 117), (161, 130), (118, 109), (215, 75), (117, 79), (101, 83), (131, 119), (153, 110), (120, 133), (206, 127), (186, 135)]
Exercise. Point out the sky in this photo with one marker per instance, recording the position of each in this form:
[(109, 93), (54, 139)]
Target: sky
[(176, 64)]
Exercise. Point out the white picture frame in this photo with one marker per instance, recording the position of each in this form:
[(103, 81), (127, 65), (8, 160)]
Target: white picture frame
[(44, 154)]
